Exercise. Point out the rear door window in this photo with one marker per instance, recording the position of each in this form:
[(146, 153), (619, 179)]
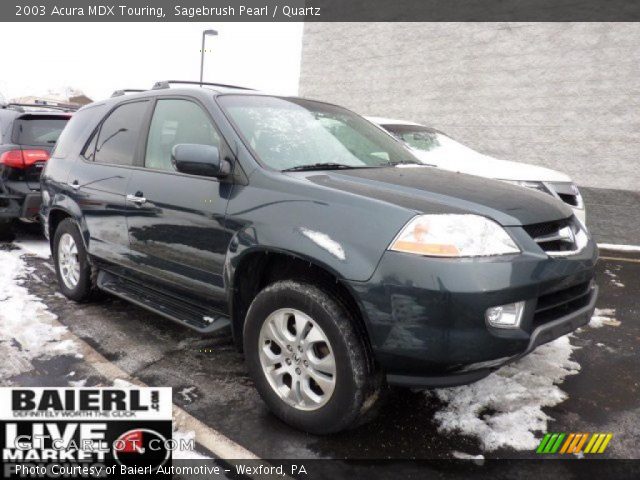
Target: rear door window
[(117, 141), (177, 121), (39, 130)]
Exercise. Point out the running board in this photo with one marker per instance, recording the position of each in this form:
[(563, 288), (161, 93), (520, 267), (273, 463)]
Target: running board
[(196, 317)]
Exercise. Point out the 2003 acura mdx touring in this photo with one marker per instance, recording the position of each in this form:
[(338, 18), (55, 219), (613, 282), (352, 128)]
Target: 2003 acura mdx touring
[(339, 262)]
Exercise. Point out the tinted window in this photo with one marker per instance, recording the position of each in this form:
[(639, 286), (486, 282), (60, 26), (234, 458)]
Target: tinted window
[(76, 130), (118, 137), (174, 122), (39, 130)]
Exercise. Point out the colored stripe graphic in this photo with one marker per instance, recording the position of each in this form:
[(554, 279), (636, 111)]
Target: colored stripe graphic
[(567, 443), (605, 442), (556, 446), (581, 443), (563, 443), (543, 442)]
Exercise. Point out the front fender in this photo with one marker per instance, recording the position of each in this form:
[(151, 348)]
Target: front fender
[(345, 233)]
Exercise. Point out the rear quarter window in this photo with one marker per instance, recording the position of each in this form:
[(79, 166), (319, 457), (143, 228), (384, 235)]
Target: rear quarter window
[(77, 130)]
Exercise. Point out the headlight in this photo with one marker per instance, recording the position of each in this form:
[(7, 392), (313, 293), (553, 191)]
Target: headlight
[(528, 184), (451, 235)]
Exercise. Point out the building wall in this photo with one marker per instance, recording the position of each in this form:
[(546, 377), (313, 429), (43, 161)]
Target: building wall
[(560, 95)]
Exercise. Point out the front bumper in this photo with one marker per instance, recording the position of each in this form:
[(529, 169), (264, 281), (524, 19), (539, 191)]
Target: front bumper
[(425, 316), (541, 335)]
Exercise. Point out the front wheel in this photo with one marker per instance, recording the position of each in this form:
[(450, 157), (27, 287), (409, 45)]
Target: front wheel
[(307, 358), (72, 265)]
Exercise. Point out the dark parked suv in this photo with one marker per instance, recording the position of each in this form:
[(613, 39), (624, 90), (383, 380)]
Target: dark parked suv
[(27, 135), (338, 262)]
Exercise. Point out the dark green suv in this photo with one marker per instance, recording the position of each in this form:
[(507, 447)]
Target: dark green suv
[(339, 263)]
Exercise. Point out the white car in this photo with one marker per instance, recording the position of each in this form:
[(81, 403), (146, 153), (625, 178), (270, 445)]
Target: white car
[(433, 147)]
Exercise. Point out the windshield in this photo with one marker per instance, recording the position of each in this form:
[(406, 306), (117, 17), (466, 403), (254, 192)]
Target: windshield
[(293, 133), (39, 131), (437, 145)]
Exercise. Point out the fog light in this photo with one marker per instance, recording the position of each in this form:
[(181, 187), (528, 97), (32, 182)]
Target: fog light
[(505, 316)]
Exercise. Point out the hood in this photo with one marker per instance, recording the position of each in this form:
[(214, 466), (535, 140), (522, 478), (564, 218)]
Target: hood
[(474, 163), (429, 190)]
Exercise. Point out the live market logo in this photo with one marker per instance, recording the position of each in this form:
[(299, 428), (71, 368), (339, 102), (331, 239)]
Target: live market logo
[(93, 431)]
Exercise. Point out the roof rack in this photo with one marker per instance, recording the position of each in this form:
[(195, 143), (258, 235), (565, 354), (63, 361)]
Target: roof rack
[(22, 106), (124, 91), (167, 84)]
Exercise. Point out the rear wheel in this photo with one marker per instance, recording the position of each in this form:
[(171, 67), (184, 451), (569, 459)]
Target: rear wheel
[(72, 266), (307, 359)]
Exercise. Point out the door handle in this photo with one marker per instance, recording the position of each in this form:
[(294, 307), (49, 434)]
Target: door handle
[(75, 185), (137, 199)]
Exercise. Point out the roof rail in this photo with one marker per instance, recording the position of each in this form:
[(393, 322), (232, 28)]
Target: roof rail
[(21, 106), (119, 93), (167, 84)]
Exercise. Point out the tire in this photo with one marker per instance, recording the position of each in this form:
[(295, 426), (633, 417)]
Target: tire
[(356, 384), (82, 289), (6, 230)]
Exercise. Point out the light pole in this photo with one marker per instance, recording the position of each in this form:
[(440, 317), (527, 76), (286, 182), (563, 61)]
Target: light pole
[(204, 34)]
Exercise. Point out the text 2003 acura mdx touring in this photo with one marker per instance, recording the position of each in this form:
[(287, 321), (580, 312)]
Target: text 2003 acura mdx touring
[(294, 223)]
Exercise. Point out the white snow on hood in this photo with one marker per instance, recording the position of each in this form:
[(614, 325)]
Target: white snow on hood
[(27, 328)]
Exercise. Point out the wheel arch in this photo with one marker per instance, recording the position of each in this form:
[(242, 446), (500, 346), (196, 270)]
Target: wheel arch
[(59, 213), (258, 267)]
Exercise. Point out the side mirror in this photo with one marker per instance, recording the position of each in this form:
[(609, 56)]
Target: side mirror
[(197, 159)]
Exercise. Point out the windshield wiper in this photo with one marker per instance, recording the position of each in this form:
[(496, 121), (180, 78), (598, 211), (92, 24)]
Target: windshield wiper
[(411, 162), (319, 166)]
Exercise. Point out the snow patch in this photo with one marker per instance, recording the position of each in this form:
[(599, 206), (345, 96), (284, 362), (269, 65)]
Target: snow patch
[(325, 242), (505, 408), (602, 317), (28, 329), (188, 394), (37, 248), (466, 456), (184, 437), (614, 279)]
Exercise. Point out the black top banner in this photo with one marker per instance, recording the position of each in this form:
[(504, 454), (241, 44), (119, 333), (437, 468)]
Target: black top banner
[(321, 10)]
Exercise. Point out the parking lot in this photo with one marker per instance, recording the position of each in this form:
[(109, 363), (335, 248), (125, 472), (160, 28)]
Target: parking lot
[(586, 382)]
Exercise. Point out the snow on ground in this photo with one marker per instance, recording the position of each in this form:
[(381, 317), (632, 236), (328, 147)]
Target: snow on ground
[(183, 439), (28, 330), (613, 278), (604, 316), (37, 248), (505, 409), (466, 456)]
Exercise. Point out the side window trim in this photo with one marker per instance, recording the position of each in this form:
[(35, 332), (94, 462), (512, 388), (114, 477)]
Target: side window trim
[(225, 150), (96, 134)]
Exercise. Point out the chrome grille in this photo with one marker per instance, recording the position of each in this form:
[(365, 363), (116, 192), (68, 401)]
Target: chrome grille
[(558, 238), (567, 192)]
